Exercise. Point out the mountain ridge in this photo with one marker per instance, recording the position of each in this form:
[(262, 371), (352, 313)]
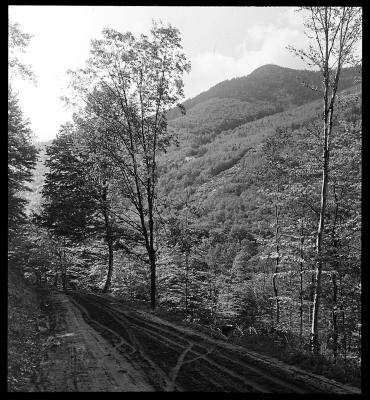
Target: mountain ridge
[(269, 82), (218, 132)]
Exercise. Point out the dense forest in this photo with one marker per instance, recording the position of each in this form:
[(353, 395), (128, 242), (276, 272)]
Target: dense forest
[(211, 208)]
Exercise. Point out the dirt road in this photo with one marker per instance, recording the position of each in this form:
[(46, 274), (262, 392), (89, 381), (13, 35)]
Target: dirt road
[(112, 347)]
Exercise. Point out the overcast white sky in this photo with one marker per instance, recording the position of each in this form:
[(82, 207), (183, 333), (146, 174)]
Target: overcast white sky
[(221, 43)]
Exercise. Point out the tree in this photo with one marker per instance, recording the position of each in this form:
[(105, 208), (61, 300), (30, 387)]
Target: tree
[(99, 179), (21, 161), (344, 209), (18, 41), (276, 168), (68, 204), (68, 207), (128, 86), (21, 151), (79, 195), (184, 235), (334, 32)]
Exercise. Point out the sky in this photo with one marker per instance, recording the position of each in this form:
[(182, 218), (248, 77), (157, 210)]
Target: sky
[(220, 42)]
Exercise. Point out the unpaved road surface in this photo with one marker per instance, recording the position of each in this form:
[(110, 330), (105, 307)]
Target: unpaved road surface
[(103, 345)]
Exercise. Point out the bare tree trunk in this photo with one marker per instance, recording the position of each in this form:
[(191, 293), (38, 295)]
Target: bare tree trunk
[(64, 277), (315, 347), (150, 239), (301, 307), (64, 271), (152, 279), (187, 251), (301, 283), (110, 266), (334, 318), (277, 259), (344, 338), (359, 344), (55, 284), (334, 281), (319, 239), (104, 206), (328, 121), (341, 307), (290, 315), (186, 281), (130, 278), (63, 260)]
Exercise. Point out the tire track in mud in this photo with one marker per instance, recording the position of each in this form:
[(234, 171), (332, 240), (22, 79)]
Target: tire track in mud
[(176, 369), (157, 376), (184, 354), (255, 379), (177, 354), (207, 364), (228, 384), (272, 374)]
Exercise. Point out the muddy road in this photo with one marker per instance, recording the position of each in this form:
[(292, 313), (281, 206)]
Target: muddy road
[(113, 347)]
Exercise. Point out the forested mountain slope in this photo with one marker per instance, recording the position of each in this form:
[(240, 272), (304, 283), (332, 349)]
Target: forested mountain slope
[(208, 158), (239, 196), (224, 123)]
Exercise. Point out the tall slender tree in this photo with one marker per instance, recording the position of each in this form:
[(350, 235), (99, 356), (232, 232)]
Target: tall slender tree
[(273, 151), (21, 161), (334, 33), (21, 151)]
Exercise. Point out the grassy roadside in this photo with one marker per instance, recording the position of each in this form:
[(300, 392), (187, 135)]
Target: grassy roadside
[(25, 338)]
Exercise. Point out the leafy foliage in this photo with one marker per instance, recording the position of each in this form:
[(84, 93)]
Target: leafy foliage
[(17, 43), (216, 225), (21, 161), (69, 205)]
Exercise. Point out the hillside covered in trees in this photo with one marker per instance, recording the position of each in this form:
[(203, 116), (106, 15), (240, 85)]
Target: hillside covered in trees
[(223, 210), (218, 193)]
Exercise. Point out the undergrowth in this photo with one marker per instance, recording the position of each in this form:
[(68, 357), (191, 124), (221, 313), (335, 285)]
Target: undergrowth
[(24, 338), (301, 357)]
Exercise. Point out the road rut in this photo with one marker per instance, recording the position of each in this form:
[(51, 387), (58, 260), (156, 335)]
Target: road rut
[(176, 358)]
